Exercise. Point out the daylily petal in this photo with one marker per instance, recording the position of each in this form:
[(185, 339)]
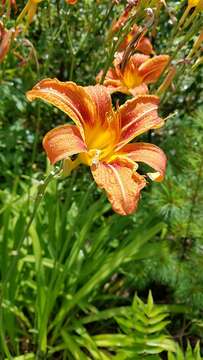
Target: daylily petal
[(132, 65), (129, 76), (145, 46), (110, 75), (113, 82), (151, 69), (68, 97), (62, 142), (138, 116), (105, 132), (101, 98), (121, 184), (139, 90), (137, 60), (150, 154), (114, 86), (86, 106)]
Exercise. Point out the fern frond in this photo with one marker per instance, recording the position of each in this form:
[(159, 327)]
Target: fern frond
[(145, 324), (190, 354)]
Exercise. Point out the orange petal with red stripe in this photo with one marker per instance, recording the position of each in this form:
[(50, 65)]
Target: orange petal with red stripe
[(150, 154), (62, 142), (138, 116), (145, 46), (132, 65), (139, 90), (151, 69), (101, 99), (113, 82), (137, 60), (68, 97), (86, 106), (114, 86), (121, 184), (131, 75)]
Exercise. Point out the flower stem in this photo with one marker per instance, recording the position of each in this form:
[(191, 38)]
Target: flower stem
[(72, 55)]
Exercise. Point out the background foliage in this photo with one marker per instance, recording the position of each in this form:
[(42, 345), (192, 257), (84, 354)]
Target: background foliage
[(69, 287)]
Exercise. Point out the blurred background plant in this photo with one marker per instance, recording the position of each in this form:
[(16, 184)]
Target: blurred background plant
[(70, 292)]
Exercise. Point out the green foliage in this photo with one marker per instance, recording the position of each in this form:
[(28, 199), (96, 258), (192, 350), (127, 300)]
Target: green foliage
[(62, 262), (179, 201), (68, 282), (189, 354), (141, 333), (144, 328)]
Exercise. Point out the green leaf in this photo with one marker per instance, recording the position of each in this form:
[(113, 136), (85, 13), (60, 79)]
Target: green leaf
[(150, 303), (72, 346)]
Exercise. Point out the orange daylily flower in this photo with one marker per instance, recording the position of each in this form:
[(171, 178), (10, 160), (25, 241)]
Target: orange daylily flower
[(144, 44), (101, 138), (139, 71)]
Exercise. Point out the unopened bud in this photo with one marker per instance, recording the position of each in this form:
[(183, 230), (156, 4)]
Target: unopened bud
[(197, 63), (5, 41), (167, 81), (197, 44)]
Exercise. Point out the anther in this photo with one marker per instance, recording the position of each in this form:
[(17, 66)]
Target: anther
[(95, 159), (135, 168)]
